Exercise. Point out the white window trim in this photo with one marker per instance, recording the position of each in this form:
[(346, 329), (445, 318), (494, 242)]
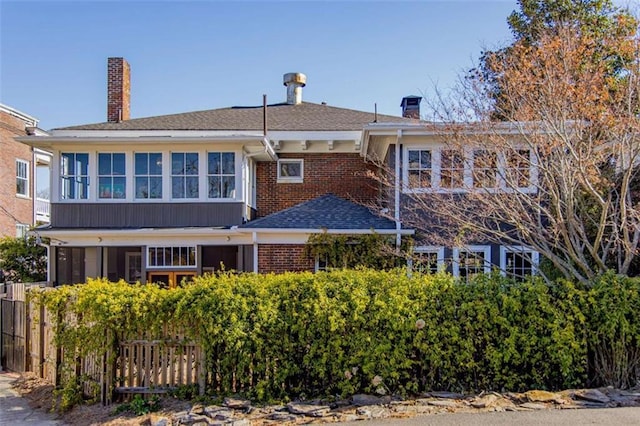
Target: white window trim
[(235, 175), (22, 230), (291, 179), (127, 177), (91, 165), (456, 257), (468, 184), (26, 178), (535, 258), (317, 265), (92, 176), (433, 249), (171, 267), (131, 183)]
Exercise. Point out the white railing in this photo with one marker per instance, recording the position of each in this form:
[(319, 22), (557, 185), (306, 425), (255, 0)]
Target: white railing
[(43, 210)]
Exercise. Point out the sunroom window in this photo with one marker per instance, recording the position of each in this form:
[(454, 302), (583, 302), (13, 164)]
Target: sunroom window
[(221, 174)]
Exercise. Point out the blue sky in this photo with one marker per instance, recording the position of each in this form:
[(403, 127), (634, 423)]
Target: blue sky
[(188, 56)]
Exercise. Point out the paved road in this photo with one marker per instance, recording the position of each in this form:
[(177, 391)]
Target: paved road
[(593, 416), (15, 410)]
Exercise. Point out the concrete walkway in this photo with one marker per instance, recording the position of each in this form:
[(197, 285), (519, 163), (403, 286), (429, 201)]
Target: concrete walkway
[(15, 410)]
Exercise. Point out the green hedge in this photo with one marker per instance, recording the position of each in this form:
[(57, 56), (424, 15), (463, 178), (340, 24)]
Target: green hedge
[(342, 332)]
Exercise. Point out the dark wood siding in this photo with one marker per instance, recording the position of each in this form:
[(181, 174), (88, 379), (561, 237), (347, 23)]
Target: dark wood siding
[(145, 215)]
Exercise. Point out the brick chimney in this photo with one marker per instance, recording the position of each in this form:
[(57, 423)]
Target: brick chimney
[(411, 107), (118, 90)]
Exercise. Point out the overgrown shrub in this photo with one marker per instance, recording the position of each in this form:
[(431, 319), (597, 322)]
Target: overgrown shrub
[(614, 331), (342, 332)]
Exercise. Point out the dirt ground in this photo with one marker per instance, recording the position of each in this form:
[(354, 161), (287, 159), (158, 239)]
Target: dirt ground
[(39, 392)]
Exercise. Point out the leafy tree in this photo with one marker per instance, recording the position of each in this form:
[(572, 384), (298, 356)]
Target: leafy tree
[(23, 260), (568, 127), (536, 20)]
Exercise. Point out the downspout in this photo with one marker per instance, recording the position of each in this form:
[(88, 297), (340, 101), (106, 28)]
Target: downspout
[(396, 207), (32, 181), (255, 252)]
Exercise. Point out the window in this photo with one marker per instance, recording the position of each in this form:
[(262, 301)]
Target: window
[(171, 257), (428, 260), (485, 168), (518, 262), (290, 170), (21, 230), (518, 168), (470, 261), (458, 170), (148, 175), (221, 174), (42, 181), (419, 168), (74, 175), (322, 263), (451, 169), (111, 176), (22, 178), (184, 175)]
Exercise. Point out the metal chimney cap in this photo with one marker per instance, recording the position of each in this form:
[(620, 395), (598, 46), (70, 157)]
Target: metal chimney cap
[(294, 78)]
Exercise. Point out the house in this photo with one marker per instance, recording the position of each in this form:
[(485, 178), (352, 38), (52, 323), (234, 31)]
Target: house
[(24, 194), (161, 199)]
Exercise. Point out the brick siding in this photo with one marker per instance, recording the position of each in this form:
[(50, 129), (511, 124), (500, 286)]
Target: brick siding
[(279, 258), (342, 174), (16, 207)]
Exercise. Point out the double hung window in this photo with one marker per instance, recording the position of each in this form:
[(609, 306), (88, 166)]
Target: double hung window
[(428, 259), (148, 175), (451, 169), (420, 168), (221, 174), (74, 176), (111, 176), (22, 178), (184, 175), (470, 261), (518, 262)]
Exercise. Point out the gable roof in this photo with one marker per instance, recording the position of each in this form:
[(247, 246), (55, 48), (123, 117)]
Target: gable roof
[(282, 116), (325, 212)]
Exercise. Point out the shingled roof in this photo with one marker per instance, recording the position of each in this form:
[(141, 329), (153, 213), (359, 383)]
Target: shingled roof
[(283, 116), (325, 212)]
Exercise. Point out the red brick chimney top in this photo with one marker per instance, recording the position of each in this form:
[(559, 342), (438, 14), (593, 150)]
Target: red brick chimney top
[(118, 90)]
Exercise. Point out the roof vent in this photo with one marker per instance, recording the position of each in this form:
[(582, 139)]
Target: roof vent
[(294, 81)]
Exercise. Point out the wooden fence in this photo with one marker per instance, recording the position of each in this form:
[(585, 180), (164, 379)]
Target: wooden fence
[(138, 365)]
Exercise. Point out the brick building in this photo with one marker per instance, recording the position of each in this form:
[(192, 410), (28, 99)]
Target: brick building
[(23, 171)]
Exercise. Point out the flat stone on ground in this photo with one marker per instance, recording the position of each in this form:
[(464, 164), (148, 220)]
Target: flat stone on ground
[(592, 395), (541, 396)]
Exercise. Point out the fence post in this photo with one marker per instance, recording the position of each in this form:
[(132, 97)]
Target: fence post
[(202, 371)]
